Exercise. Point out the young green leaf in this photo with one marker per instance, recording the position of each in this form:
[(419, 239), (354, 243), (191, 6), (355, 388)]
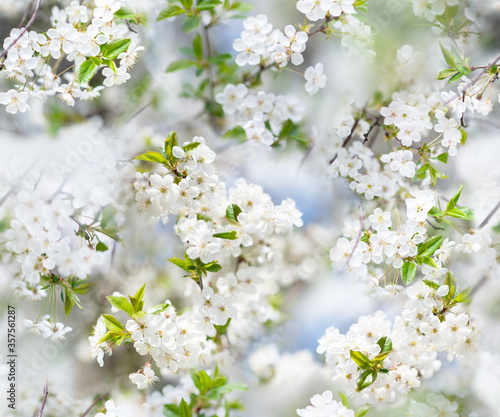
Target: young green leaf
[(344, 400), (180, 65), (185, 409), (121, 303), (86, 71), (179, 262), (453, 201), (232, 212), (237, 133), (101, 247), (207, 4), (429, 246), (116, 47), (448, 56), (198, 47), (170, 11), (408, 272), (385, 344), (112, 323), (366, 378), (190, 23), (152, 156), (361, 359), (232, 235), (213, 267)]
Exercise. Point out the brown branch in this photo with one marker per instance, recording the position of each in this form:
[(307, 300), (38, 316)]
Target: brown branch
[(322, 27), (489, 216), (346, 141), (30, 22), (44, 400), (361, 227), (101, 398)]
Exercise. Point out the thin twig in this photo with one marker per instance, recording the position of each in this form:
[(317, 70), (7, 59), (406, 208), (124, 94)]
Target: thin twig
[(361, 227), (13, 188), (211, 84), (30, 22), (44, 400), (489, 216), (478, 285), (101, 398), (322, 27), (25, 14), (346, 141)]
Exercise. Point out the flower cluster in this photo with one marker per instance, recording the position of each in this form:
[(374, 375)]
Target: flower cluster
[(88, 39), (252, 109), (316, 10), (324, 405), (427, 325)]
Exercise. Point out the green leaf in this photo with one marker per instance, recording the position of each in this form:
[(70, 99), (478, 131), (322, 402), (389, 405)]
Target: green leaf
[(463, 139), (241, 7), (227, 235), (159, 308), (463, 69), (468, 212), (101, 247), (185, 409), (457, 213), (453, 201), (121, 303), (385, 344), (84, 288), (207, 4), (421, 171), (443, 158), (447, 56), (170, 142), (140, 293), (446, 73), (430, 262), (456, 77), (452, 285), (462, 297), (170, 11), (180, 65), (435, 212), (187, 3), (408, 272), (152, 156), (198, 47), (179, 262), (380, 357), (171, 410), (429, 246), (234, 386), (344, 400), (367, 378), (361, 359), (68, 305), (237, 133), (362, 411), (431, 284), (232, 212), (219, 59), (112, 323), (190, 23), (213, 267), (125, 13), (115, 48), (86, 71), (287, 129)]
